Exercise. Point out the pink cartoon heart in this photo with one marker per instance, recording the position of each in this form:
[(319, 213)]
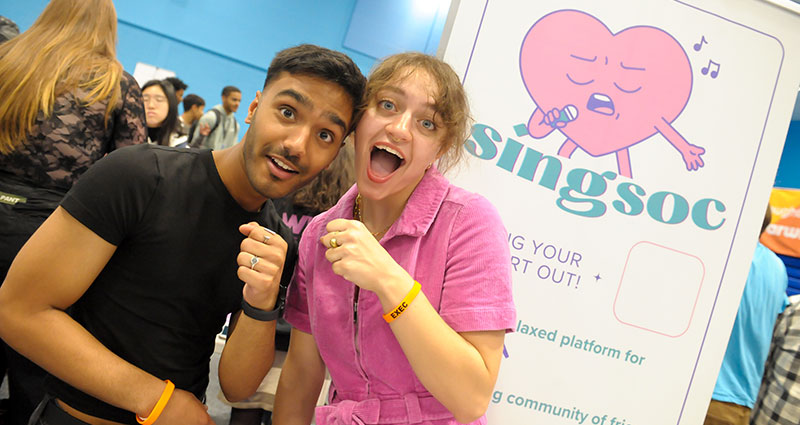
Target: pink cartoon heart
[(605, 92)]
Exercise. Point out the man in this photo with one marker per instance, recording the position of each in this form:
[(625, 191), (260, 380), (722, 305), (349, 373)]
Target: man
[(779, 397), (179, 87), (218, 129), (193, 106), (763, 299), (146, 252)]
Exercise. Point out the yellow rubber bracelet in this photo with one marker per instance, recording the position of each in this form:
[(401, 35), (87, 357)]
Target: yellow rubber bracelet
[(394, 314), (160, 404)]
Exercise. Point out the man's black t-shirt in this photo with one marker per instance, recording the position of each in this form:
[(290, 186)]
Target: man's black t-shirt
[(165, 293)]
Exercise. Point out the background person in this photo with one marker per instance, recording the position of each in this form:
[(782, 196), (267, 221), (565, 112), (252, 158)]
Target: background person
[(763, 299), (397, 353), (161, 111), (218, 129), (193, 106), (65, 102), (8, 30), (179, 87), (778, 401)]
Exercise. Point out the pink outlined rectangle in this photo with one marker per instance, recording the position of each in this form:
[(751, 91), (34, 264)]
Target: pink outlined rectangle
[(672, 287)]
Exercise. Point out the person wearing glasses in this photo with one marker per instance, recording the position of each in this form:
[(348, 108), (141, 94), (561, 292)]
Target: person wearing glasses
[(161, 110)]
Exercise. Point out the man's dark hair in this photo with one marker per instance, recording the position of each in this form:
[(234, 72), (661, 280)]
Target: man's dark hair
[(230, 89), (191, 100), (326, 64), (177, 84)]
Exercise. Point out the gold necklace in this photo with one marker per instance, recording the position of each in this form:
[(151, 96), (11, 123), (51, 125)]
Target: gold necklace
[(357, 215)]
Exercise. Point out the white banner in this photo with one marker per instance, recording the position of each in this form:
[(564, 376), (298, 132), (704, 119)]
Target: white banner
[(630, 147)]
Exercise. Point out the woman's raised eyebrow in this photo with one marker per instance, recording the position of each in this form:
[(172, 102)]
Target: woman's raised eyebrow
[(400, 91), (395, 89)]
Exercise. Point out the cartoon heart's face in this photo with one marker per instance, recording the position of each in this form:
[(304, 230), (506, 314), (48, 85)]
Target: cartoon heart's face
[(621, 84)]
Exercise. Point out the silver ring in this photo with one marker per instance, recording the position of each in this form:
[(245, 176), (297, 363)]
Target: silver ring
[(266, 239), (253, 262)]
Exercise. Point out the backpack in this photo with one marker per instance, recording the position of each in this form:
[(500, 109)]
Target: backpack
[(217, 114)]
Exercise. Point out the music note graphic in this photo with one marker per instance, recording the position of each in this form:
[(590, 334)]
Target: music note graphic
[(698, 46), (711, 64)]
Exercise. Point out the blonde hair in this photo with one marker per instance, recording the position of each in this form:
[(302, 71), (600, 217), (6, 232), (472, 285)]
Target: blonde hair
[(450, 99), (71, 45)]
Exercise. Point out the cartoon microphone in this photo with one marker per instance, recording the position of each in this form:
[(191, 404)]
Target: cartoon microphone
[(568, 114)]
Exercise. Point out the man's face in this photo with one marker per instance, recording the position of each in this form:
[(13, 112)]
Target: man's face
[(298, 125), (231, 101), (179, 95), (197, 112)]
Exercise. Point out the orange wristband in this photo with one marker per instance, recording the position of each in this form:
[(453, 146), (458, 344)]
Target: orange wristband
[(394, 314), (160, 404)]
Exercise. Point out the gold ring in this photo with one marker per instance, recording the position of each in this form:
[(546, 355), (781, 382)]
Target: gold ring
[(333, 243)]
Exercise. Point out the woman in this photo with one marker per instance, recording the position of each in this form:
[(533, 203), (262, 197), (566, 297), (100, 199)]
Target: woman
[(161, 110), (395, 353), (64, 103)]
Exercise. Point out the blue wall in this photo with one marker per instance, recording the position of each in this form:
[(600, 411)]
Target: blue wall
[(789, 168), (210, 43)]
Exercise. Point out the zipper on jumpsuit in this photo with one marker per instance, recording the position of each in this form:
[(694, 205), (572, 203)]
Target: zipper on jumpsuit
[(361, 371)]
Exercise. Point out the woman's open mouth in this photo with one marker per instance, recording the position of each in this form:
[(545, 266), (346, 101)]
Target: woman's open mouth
[(384, 161)]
